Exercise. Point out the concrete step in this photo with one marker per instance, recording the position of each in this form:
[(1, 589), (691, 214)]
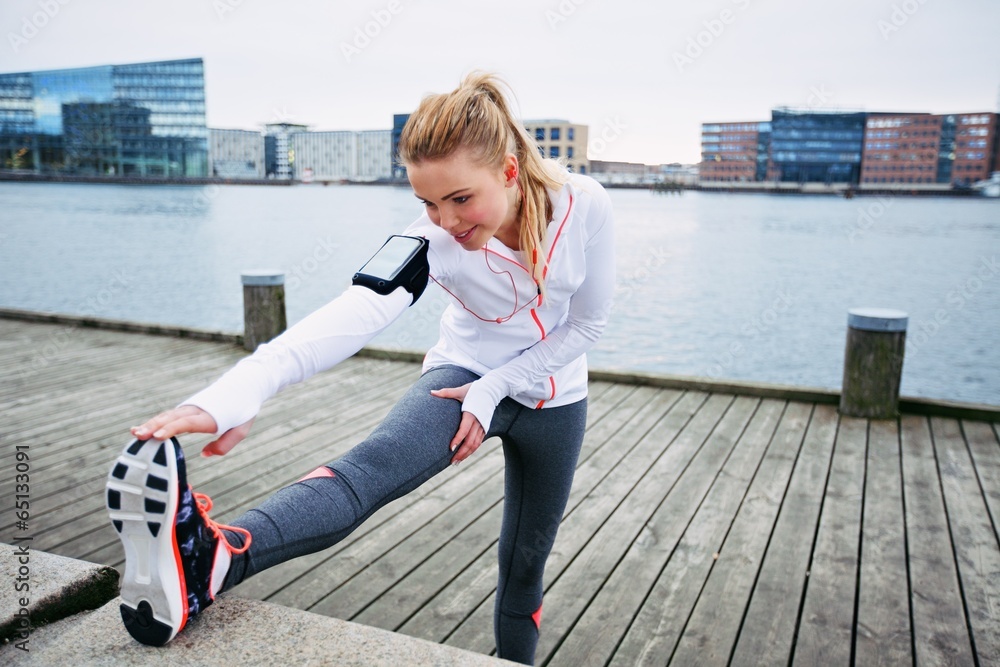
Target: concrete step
[(40, 588), (233, 631)]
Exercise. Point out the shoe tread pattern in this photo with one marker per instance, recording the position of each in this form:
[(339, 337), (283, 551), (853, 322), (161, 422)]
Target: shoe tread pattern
[(152, 606)]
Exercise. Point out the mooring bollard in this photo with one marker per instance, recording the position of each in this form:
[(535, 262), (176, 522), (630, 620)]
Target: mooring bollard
[(873, 362), (263, 307)]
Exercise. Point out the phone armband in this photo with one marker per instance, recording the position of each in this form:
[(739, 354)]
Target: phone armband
[(400, 262)]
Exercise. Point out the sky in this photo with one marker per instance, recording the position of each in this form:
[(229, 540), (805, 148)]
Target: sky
[(643, 74)]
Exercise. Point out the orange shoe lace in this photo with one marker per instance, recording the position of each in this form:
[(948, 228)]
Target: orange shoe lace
[(204, 504)]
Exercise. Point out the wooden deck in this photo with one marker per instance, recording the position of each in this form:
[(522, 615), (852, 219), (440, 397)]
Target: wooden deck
[(703, 528)]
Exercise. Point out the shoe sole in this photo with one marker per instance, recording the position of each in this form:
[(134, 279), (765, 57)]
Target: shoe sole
[(142, 492)]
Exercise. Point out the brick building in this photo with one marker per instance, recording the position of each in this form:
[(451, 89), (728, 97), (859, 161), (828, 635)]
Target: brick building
[(734, 151)]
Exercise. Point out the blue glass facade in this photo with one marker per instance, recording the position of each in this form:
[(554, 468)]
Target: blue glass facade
[(811, 147), (145, 119), (398, 123)]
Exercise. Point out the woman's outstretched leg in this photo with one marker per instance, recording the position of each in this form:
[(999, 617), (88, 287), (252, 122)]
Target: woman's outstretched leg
[(177, 558), (409, 447)]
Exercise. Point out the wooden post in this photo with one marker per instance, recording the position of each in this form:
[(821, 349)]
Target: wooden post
[(873, 363), (263, 307)]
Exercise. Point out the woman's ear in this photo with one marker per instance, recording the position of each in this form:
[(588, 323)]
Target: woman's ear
[(510, 170)]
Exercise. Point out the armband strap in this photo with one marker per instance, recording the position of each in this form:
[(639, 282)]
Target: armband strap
[(400, 262)]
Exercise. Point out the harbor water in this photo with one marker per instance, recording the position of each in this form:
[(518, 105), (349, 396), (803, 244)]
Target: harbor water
[(747, 287)]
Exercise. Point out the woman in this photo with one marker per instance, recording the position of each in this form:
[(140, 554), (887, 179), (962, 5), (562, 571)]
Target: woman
[(526, 252)]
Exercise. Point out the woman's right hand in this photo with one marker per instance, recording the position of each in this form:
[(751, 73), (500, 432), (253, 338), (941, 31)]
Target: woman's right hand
[(191, 419)]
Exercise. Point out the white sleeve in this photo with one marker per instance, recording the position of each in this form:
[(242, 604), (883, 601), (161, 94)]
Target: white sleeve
[(325, 338), (589, 309)]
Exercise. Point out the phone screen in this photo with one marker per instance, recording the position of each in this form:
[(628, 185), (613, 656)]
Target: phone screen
[(391, 258)]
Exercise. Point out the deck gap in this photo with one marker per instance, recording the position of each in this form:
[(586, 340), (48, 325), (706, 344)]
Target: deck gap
[(906, 542), (861, 543)]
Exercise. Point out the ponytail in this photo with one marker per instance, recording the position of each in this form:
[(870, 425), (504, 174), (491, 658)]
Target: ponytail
[(477, 117)]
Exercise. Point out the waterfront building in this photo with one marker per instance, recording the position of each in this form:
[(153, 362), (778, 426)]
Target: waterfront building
[(734, 151), (374, 161), (279, 158), (236, 154), (325, 156), (139, 120), (949, 150), (976, 147), (809, 146), (624, 173), (343, 155), (902, 148), (561, 140), (913, 150), (398, 122)]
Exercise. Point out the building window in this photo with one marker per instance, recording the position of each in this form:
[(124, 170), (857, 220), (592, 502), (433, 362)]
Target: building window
[(554, 134), (569, 152), (540, 134), (570, 134), (553, 151)]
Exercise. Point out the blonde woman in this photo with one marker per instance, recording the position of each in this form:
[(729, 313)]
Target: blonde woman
[(525, 251)]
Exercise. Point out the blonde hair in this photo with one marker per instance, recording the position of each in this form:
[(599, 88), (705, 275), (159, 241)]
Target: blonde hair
[(477, 117)]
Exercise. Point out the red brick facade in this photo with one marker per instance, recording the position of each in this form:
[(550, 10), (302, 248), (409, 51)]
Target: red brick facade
[(901, 148)]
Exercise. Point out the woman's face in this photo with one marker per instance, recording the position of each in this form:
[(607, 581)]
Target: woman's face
[(471, 202)]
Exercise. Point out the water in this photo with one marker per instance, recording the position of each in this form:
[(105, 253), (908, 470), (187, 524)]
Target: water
[(747, 287)]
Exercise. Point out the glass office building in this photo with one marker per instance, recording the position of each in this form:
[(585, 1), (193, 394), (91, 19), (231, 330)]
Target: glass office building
[(139, 120), (816, 147)]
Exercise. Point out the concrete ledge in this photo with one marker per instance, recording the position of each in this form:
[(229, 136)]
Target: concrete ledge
[(53, 586), (236, 631)]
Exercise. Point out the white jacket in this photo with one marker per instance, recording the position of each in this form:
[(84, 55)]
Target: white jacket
[(495, 326)]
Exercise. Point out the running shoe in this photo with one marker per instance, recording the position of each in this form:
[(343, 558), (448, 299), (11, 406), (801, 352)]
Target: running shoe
[(176, 557)]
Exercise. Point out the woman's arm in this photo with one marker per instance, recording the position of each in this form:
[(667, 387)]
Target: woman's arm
[(325, 338)]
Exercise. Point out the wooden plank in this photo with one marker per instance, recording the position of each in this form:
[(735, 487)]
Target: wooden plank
[(690, 529), (826, 628), (400, 601), (468, 595), (973, 535), (600, 484), (401, 557), (884, 635), (714, 626), (708, 447), (985, 450), (940, 632), (769, 625)]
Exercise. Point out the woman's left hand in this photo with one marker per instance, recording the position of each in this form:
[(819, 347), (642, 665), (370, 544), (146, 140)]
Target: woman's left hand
[(470, 432)]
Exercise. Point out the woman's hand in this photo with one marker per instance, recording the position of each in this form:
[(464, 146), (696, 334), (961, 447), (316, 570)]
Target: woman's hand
[(191, 419), (470, 432)]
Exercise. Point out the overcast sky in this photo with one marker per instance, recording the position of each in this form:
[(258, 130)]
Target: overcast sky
[(642, 74)]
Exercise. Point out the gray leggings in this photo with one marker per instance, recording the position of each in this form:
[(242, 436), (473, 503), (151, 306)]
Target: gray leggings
[(409, 447)]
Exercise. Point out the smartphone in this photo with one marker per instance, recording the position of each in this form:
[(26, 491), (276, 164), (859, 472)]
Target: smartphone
[(400, 262), (392, 257)]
